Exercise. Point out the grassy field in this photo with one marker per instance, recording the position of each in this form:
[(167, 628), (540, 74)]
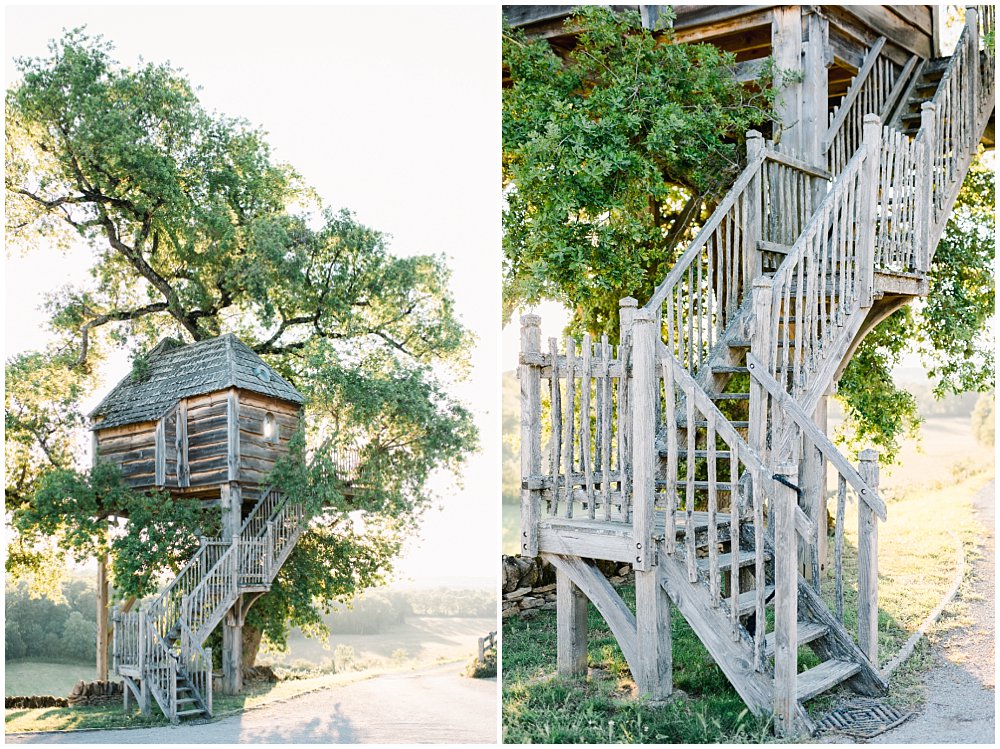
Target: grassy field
[(26, 678), (419, 640), (929, 497)]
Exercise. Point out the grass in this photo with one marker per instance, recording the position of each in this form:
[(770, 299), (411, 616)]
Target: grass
[(418, 642), (916, 568), (27, 678)]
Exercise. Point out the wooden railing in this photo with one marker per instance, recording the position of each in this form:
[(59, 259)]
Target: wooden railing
[(581, 473), (748, 233), (486, 644), (196, 662), (900, 187), (165, 610), (874, 90)]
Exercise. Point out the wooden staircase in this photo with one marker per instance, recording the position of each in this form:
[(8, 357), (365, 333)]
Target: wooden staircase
[(159, 650), (691, 451)]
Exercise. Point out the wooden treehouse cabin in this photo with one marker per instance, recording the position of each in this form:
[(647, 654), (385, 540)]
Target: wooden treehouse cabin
[(206, 421), (696, 447)]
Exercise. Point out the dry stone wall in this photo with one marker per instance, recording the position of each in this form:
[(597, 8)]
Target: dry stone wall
[(529, 584)]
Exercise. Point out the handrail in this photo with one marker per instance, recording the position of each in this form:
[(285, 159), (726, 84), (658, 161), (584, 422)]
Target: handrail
[(817, 437)]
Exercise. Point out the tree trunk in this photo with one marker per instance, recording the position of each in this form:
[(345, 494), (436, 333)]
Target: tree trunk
[(251, 645)]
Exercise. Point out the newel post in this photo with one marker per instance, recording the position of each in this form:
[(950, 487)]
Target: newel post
[(925, 200), (872, 139), (530, 375), (626, 316), (753, 223), (868, 560), (761, 343), (786, 577), (644, 335)]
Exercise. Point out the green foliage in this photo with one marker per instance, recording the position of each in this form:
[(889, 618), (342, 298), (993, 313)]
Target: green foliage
[(195, 230), (601, 149), (63, 627), (984, 419), (487, 669), (140, 368)]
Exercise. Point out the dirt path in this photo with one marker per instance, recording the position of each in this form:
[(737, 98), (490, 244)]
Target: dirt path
[(960, 693), (432, 706)]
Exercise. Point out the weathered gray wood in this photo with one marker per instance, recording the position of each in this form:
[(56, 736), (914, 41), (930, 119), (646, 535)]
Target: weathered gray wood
[(823, 677), (626, 314), (670, 521), (925, 210), (103, 631), (578, 540), (868, 562), (605, 409), (644, 339), (233, 433), (857, 84), (555, 413), (569, 420), (161, 453), (838, 554), (606, 600), (232, 649), (571, 627), (586, 459), (785, 603), (531, 433), (689, 396), (786, 49), (652, 613), (183, 469), (713, 506)]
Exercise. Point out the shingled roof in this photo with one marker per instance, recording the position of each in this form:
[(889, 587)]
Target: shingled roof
[(180, 371)]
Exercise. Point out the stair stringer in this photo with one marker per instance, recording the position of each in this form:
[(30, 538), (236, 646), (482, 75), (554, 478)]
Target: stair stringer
[(735, 657), (588, 578)]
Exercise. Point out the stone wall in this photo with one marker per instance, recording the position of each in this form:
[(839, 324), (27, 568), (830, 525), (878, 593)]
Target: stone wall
[(96, 692), (529, 584)]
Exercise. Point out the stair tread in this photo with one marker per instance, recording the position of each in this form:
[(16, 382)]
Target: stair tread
[(726, 560), (747, 602), (805, 631), (699, 521), (826, 675), (197, 711)]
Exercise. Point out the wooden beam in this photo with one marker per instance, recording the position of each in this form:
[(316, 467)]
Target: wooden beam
[(233, 434), (868, 562), (571, 627), (103, 631), (183, 470), (786, 48), (531, 432), (652, 614), (786, 575), (161, 453)]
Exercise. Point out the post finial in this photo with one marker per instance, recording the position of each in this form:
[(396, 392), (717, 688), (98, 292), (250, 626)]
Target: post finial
[(628, 301)]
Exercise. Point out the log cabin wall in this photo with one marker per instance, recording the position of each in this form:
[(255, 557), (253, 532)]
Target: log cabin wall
[(132, 448), (265, 428), (207, 443)]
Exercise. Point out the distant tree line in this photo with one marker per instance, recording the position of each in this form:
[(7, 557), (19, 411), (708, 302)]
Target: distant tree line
[(43, 629), (375, 611)]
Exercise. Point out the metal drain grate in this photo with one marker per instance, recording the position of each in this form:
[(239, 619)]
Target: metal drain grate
[(862, 718)]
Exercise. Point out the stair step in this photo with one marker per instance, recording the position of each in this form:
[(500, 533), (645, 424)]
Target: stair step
[(805, 632), (747, 602), (825, 676), (699, 521), (185, 713), (682, 424), (746, 558), (186, 700)]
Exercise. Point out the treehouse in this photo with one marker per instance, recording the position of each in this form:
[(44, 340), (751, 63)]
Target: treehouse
[(207, 421), (695, 446)]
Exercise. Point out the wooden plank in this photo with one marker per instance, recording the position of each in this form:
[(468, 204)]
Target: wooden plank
[(578, 541), (161, 453), (571, 627), (605, 409), (887, 24), (823, 677), (805, 632), (644, 378), (586, 460), (555, 413), (798, 164), (233, 433), (183, 468), (531, 432)]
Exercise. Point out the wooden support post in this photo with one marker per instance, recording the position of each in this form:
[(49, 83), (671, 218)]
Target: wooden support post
[(872, 139), (103, 631), (925, 178), (644, 380), (233, 433), (821, 418), (232, 630), (183, 467), (531, 433), (816, 58), (868, 561), (652, 617), (571, 627), (786, 49), (753, 221), (786, 576)]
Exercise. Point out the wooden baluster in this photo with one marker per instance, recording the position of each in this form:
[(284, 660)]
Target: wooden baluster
[(670, 409), (692, 570), (568, 423), (925, 171), (555, 411), (734, 534), (585, 449), (626, 315), (606, 426), (713, 503), (866, 257)]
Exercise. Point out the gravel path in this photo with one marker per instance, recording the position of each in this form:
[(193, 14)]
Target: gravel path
[(431, 706), (960, 693)]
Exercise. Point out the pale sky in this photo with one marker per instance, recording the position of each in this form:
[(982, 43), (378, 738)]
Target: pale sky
[(392, 112)]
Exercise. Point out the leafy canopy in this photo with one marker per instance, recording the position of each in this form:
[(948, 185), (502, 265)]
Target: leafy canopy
[(601, 150), (194, 229)]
